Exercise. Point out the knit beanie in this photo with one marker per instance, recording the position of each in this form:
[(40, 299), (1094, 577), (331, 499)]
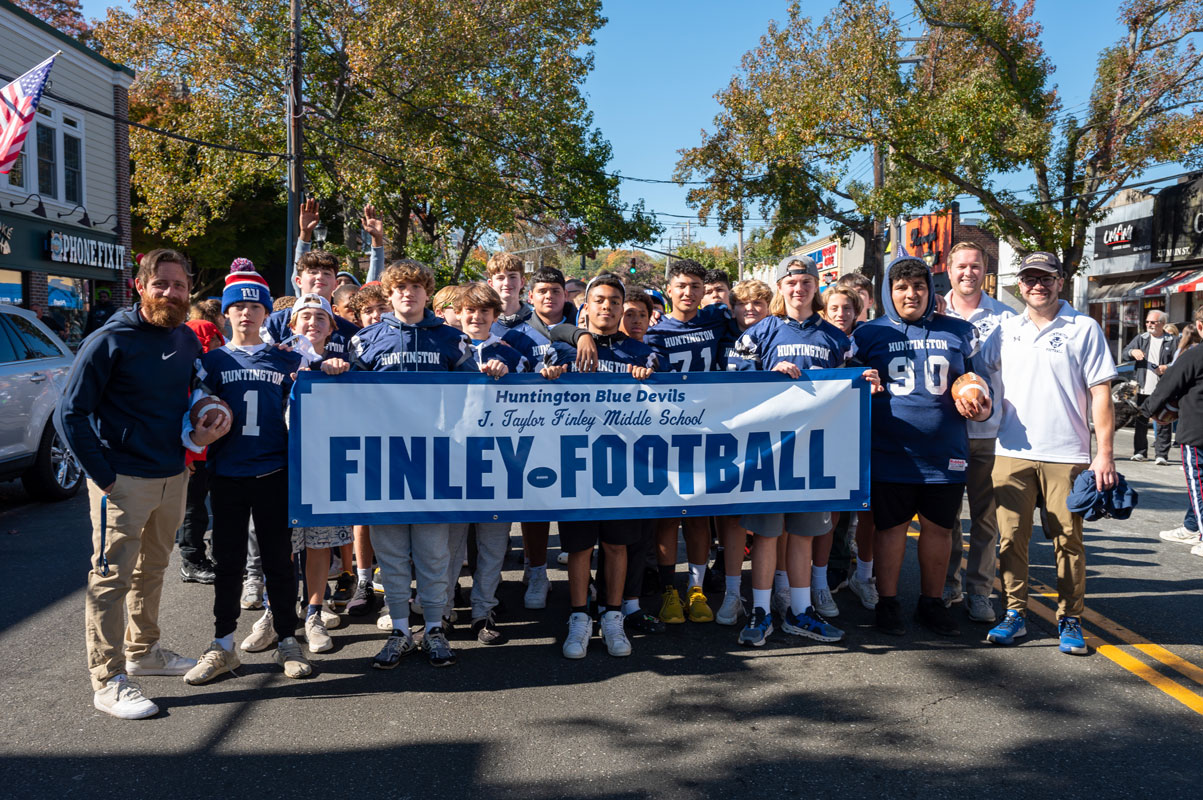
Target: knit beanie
[(244, 284)]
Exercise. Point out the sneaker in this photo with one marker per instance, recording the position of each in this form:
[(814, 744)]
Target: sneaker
[(671, 611), (215, 661), (1072, 641), (580, 629), (438, 651), (159, 661), (316, 635), (837, 578), (1140, 457), (617, 643), (758, 629), (399, 644), (252, 594), (811, 625), (123, 699), (197, 573), (384, 622), (536, 590), (951, 594), (486, 631), (262, 636), (1180, 534), (643, 622), (1012, 627), (699, 609), (363, 600), (1162, 461), (935, 616), (330, 617), (290, 657), (888, 616), (731, 609), (865, 591), (779, 603), (1197, 550), (824, 603), (377, 583), (344, 588), (981, 609)]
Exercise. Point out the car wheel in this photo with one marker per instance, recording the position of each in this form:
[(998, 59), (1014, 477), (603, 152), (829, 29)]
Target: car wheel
[(57, 474)]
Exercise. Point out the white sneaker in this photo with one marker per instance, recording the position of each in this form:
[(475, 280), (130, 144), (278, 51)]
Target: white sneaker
[(263, 634), (779, 604), (213, 662), (159, 661), (1162, 461), (317, 636), (824, 603), (580, 628), (536, 591), (1140, 457), (290, 657), (731, 609), (330, 617), (123, 699), (384, 622), (1197, 550), (866, 591), (252, 594), (617, 643), (1180, 534)]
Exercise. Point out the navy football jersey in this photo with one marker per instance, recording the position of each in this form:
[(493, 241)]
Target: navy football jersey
[(275, 330), (494, 348), (616, 352), (813, 343), (426, 346), (699, 345), (255, 385), (918, 434)]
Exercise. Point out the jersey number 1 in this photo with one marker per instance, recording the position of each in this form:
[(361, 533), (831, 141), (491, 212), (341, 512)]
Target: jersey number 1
[(250, 426)]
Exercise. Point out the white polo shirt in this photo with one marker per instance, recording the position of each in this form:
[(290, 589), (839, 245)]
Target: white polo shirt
[(986, 317), (1048, 374)]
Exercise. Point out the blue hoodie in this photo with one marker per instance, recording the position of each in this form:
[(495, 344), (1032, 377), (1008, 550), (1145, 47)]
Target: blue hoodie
[(127, 396), (918, 434), (429, 345)]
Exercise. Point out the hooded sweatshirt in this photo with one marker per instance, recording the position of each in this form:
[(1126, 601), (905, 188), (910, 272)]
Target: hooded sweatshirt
[(428, 345), (532, 337), (127, 398), (918, 434)]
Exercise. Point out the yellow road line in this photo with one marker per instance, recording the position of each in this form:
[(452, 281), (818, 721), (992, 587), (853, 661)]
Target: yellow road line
[(1138, 668), (1172, 661)]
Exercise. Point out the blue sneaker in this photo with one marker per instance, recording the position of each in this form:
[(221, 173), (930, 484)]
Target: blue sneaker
[(1072, 640), (1011, 628), (811, 625), (759, 628)]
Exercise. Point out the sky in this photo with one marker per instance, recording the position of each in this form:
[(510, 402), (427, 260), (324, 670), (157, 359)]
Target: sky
[(658, 64)]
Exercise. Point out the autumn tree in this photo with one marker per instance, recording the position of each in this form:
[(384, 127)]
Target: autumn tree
[(66, 15), (969, 109)]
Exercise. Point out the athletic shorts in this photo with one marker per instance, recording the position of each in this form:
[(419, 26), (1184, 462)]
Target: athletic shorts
[(322, 538), (799, 523), (577, 536), (897, 503)]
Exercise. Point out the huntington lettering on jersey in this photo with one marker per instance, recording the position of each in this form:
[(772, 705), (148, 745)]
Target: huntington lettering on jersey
[(410, 357), (689, 338), (268, 375), (808, 350), (918, 344)]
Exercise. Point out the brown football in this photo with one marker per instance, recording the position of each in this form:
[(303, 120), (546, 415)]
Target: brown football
[(970, 382), (208, 409)]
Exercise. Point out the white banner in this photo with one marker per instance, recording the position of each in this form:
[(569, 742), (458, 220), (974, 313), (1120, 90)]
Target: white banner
[(401, 447)]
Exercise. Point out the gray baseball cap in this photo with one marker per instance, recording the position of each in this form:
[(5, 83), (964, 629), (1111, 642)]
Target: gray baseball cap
[(1044, 262), (797, 265)]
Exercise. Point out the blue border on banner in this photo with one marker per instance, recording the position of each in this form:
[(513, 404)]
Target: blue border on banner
[(302, 515)]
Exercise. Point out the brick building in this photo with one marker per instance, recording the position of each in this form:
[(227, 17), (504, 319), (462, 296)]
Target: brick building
[(64, 207)]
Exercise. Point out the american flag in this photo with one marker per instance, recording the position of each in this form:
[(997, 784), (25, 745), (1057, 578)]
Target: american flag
[(18, 103)]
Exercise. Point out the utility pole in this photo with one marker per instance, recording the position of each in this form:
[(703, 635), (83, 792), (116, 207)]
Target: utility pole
[(739, 252), (296, 174), (878, 254)]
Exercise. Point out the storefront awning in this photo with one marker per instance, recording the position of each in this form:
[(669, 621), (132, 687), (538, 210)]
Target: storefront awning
[(1161, 284), (1192, 283), (1110, 293)]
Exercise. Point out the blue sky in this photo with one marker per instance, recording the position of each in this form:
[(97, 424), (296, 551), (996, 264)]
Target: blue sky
[(658, 64)]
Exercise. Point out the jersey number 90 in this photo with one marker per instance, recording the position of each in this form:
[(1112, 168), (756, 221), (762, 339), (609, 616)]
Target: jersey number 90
[(901, 372)]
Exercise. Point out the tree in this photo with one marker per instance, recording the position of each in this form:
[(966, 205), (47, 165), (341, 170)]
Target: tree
[(66, 15), (455, 119), (812, 101)]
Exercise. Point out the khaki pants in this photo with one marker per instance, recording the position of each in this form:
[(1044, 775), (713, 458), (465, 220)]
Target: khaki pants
[(142, 518), (1016, 485), (983, 524)]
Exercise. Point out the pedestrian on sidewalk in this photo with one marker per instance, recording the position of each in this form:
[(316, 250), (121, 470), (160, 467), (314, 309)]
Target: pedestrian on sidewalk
[(1153, 351)]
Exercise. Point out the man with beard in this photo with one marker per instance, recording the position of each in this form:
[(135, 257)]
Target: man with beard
[(122, 413)]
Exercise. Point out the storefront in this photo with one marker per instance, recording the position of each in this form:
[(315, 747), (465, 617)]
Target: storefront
[(1123, 281)]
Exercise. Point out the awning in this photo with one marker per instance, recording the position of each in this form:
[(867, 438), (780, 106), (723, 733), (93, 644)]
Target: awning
[(1161, 284), (1192, 283), (1110, 293)]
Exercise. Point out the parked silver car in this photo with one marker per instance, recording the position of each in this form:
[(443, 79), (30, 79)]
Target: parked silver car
[(33, 370)]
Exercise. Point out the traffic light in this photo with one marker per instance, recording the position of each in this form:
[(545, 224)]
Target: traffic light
[(632, 269)]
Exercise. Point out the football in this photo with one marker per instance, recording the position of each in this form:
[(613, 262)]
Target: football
[(970, 382), (208, 409)]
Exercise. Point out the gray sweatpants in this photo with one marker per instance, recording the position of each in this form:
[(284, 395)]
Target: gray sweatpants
[(427, 545), (492, 540)]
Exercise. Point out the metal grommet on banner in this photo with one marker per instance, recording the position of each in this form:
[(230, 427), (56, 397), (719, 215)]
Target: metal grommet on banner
[(494, 516), (294, 522), (684, 511)]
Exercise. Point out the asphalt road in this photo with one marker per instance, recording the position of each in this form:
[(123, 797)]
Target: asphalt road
[(689, 715)]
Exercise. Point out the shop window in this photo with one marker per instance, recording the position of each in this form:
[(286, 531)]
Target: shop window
[(66, 310), (10, 288), (47, 169)]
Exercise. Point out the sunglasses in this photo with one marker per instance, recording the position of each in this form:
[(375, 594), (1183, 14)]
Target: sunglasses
[(1032, 280)]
